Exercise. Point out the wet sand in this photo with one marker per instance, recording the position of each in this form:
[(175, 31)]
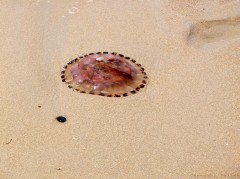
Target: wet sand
[(184, 124)]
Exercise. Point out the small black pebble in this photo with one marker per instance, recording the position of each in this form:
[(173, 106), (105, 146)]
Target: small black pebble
[(61, 119), (39, 106)]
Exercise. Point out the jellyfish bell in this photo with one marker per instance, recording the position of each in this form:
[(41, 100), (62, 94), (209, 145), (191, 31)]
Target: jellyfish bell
[(105, 74)]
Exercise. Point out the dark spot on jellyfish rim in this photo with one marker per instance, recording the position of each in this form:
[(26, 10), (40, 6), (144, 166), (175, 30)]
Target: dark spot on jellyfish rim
[(144, 81), (61, 119), (91, 92), (104, 74), (142, 86)]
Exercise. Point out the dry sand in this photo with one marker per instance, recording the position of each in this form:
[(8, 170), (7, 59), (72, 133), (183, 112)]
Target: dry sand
[(185, 124)]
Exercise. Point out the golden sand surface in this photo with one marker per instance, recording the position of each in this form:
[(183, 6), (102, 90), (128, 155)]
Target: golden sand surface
[(185, 124)]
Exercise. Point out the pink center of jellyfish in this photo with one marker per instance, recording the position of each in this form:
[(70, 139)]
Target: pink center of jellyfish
[(105, 74)]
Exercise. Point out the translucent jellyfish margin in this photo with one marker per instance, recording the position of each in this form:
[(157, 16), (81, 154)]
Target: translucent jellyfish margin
[(121, 90)]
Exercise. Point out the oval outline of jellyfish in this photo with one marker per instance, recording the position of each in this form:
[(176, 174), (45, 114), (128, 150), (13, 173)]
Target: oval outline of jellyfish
[(105, 74)]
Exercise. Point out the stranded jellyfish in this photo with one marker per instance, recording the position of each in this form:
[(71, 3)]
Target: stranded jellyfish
[(105, 74)]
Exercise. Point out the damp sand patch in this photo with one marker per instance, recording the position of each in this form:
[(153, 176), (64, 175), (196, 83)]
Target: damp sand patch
[(214, 33)]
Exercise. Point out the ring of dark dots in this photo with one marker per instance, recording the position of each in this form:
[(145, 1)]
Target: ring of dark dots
[(144, 82)]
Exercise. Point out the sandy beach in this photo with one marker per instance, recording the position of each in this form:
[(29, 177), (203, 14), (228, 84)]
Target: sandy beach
[(185, 124)]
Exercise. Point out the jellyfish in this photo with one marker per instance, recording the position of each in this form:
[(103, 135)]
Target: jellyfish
[(105, 74)]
